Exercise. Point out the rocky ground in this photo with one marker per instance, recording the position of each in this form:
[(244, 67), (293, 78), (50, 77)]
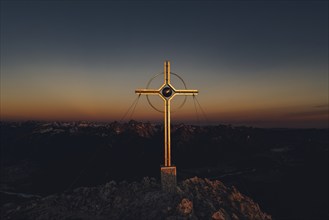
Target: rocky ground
[(194, 198), (284, 170)]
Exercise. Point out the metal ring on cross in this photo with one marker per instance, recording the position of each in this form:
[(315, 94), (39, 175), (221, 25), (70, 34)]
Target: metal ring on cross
[(149, 101)]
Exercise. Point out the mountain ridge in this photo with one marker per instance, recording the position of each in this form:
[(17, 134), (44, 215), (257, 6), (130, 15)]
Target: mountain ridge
[(194, 198)]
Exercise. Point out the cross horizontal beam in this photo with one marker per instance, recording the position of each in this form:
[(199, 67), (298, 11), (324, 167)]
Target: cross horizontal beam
[(177, 92), (147, 91), (186, 92)]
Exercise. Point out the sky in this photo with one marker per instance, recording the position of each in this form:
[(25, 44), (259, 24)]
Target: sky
[(255, 63)]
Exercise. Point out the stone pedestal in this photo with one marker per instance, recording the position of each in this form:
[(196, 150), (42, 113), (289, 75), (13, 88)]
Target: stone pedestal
[(168, 178)]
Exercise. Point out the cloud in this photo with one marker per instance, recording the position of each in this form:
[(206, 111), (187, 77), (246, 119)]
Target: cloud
[(308, 113), (322, 106)]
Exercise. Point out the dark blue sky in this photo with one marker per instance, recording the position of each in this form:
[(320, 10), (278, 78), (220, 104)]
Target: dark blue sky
[(244, 56), (260, 33)]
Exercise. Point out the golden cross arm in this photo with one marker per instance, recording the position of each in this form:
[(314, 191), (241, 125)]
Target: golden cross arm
[(147, 91), (186, 92)]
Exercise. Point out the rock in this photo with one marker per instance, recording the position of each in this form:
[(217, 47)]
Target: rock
[(185, 207), (195, 198), (220, 215), (235, 217)]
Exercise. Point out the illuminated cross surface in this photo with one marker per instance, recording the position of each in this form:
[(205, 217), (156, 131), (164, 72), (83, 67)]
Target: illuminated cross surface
[(167, 92)]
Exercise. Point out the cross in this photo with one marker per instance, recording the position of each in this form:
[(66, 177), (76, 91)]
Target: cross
[(167, 92)]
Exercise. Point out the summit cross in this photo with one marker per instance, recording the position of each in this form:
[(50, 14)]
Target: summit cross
[(167, 92)]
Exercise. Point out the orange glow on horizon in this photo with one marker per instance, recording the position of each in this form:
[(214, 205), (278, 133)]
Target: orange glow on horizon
[(256, 117), (238, 101)]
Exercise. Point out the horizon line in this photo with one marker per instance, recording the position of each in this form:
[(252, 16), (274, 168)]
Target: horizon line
[(200, 124)]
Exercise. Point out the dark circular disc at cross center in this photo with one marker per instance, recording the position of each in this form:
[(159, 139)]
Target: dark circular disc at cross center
[(167, 92)]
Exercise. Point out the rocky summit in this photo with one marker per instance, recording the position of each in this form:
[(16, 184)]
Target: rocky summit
[(194, 198)]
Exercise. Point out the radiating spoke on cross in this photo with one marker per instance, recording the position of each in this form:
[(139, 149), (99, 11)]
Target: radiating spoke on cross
[(167, 92)]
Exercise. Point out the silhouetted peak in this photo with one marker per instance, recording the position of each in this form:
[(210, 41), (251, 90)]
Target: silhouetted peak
[(194, 198)]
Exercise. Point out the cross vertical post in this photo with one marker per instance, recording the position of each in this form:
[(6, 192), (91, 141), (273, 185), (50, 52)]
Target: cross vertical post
[(167, 138), (167, 92)]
